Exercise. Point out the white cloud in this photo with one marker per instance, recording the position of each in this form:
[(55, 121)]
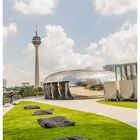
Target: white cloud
[(120, 47), (114, 7), (9, 31), (16, 76), (56, 53), (35, 7)]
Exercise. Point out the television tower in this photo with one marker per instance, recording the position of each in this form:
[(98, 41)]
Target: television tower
[(36, 42)]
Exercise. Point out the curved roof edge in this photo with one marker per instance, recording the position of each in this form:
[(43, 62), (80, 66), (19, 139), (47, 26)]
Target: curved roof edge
[(66, 72)]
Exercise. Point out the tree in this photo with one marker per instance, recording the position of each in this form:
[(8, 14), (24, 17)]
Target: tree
[(40, 89)]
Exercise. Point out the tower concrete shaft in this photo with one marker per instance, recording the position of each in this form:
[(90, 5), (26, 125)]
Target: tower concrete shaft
[(36, 42), (36, 67)]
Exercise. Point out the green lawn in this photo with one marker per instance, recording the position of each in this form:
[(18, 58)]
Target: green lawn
[(19, 124), (120, 104)]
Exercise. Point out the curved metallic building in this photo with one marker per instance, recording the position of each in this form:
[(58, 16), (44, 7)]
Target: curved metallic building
[(56, 85), (80, 74)]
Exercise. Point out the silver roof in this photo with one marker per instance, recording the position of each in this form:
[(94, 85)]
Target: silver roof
[(80, 74)]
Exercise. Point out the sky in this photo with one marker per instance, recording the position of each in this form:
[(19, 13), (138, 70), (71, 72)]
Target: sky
[(75, 34)]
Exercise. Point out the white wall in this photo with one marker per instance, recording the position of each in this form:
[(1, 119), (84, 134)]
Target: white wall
[(110, 90), (127, 89)]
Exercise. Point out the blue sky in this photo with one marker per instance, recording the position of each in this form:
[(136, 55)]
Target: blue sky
[(86, 22)]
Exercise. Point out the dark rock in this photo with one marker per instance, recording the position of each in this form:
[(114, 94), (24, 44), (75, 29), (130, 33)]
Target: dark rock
[(53, 122), (31, 107), (14, 103), (43, 112), (72, 138)]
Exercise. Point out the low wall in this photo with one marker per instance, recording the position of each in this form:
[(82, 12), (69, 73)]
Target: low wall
[(121, 90), (126, 89), (135, 88), (110, 90)]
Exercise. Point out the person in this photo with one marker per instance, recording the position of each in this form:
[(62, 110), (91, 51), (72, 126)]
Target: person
[(11, 97)]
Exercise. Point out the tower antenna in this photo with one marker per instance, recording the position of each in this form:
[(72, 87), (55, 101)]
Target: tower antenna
[(36, 29)]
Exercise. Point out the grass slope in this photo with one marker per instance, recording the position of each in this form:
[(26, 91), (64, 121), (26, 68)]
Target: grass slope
[(120, 104), (19, 124)]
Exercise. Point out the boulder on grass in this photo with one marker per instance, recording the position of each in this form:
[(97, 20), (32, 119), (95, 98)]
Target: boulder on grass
[(43, 112), (72, 138), (53, 122), (31, 107)]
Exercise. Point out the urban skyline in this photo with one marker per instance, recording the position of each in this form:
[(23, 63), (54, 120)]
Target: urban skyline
[(82, 37)]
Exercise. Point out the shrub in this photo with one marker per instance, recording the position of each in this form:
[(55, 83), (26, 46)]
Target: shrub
[(31, 91)]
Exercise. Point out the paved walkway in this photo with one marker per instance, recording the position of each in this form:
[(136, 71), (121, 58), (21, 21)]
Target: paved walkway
[(8, 107), (125, 115)]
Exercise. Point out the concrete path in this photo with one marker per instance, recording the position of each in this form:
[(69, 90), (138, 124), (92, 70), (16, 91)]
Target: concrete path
[(8, 107), (125, 115)]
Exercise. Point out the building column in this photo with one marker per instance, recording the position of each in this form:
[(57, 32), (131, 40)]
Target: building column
[(131, 70), (52, 93), (136, 68), (59, 87), (125, 70), (116, 72), (121, 72), (66, 90)]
